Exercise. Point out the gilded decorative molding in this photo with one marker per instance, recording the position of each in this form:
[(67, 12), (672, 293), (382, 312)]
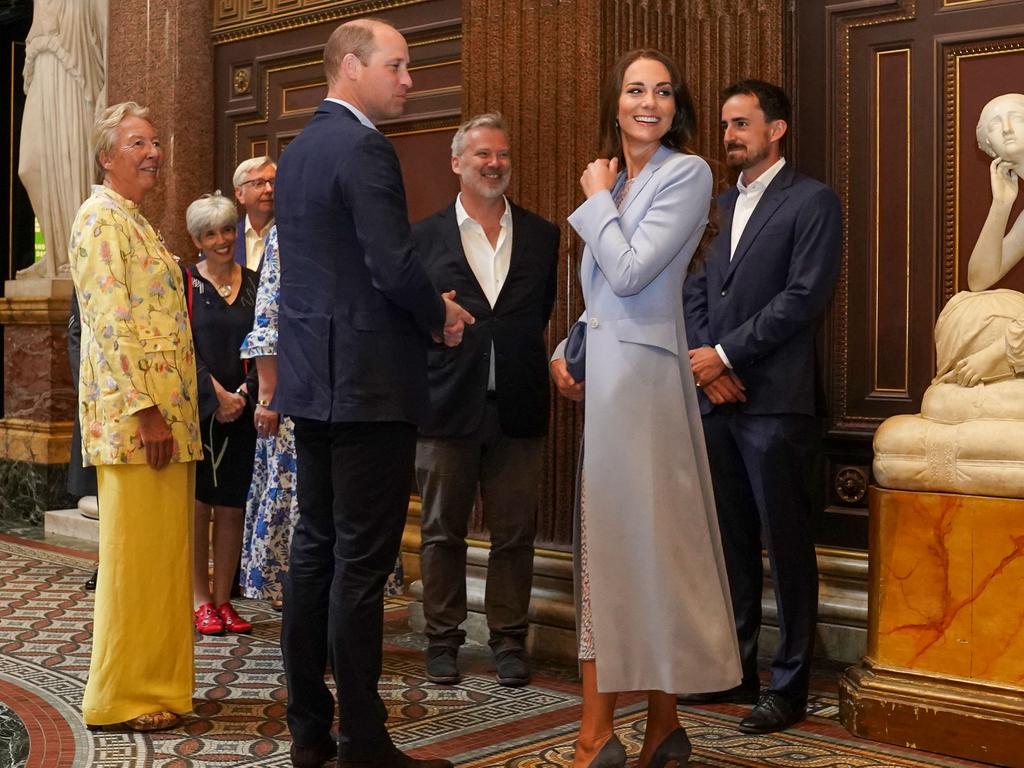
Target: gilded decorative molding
[(242, 81), (952, 56), (38, 442), (843, 21), (232, 23)]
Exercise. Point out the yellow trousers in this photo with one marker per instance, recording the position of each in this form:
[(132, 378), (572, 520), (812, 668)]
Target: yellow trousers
[(142, 620)]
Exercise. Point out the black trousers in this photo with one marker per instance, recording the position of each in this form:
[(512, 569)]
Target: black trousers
[(760, 468), (353, 494)]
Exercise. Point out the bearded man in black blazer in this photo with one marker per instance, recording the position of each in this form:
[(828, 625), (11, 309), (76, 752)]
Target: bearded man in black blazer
[(751, 318), (357, 311), (489, 402)]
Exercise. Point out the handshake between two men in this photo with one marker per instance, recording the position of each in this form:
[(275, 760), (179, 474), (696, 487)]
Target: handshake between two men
[(455, 321)]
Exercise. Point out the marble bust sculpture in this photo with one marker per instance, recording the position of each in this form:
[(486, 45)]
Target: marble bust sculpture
[(967, 438), (64, 90)]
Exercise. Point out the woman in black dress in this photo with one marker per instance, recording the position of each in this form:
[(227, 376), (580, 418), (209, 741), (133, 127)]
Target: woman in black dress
[(221, 299)]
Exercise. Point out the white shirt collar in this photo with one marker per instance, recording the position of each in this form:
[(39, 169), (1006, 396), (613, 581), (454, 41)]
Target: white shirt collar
[(462, 216), (359, 115), (761, 182), (250, 228)]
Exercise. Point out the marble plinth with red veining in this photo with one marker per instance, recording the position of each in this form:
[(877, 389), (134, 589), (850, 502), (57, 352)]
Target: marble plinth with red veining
[(950, 574)]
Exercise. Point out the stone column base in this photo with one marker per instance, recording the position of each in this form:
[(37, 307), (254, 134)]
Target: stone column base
[(944, 668), (961, 718)]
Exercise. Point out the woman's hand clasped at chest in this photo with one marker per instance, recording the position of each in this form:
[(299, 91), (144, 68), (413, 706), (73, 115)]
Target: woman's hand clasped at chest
[(599, 175)]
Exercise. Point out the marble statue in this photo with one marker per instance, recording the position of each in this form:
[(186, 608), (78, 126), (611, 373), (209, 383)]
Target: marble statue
[(967, 438), (65, 65)]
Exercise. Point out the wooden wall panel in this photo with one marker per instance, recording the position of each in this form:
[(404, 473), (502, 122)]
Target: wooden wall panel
[(911, 181), (270, 80)]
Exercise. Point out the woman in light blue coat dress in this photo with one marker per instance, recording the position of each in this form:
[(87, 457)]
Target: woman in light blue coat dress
[(653, 595)]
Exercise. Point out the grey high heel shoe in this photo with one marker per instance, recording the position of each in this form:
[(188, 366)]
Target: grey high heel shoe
[(611, 755), (675, 747)]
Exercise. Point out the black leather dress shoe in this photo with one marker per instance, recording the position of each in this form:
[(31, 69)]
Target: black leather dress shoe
[(395, 759), (313, 757), (90, 585), (773, 712), (744, 693)]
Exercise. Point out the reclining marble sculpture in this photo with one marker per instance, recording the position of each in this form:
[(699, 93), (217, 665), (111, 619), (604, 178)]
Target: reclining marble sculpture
[(969, 436)]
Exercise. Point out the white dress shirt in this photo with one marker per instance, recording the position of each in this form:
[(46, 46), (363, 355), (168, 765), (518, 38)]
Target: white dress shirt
[(749, 196), (359, 115), (255, 242), (489, 263)]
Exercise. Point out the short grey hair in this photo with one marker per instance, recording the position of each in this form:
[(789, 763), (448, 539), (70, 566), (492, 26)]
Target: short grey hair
[(104, 130), (211, 211), (486, 120), (248, 166)]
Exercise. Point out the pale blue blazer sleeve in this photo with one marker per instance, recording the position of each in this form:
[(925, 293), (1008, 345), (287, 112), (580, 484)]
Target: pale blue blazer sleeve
[(675, 203)]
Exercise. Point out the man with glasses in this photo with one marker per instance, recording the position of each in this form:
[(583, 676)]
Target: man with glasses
[(254, 189)]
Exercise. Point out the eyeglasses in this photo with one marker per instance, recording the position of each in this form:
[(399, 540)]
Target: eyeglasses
[(258, 183)]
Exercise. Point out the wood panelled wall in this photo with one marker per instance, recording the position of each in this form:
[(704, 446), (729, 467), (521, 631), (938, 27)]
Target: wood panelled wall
[(541, 63), (889, 94), (268, 61)]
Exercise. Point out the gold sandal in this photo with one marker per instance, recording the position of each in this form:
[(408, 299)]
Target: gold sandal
[(153, 721)]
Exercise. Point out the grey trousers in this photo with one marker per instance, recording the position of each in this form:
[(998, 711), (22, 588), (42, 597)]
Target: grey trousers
[(507, 472)]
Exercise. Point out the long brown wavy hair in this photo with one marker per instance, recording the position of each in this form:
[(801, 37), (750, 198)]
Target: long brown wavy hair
[(684, 121)]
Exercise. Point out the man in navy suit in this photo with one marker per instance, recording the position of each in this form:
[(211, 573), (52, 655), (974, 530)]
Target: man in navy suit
[(254, 189), (489, 402), (752, 314), (357, 311)]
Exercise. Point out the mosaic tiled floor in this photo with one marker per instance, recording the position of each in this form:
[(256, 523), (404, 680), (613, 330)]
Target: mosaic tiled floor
[(45, 622)]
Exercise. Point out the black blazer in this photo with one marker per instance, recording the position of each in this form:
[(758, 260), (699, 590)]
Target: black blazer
[(458, 376), (356, 308), (764, 306)]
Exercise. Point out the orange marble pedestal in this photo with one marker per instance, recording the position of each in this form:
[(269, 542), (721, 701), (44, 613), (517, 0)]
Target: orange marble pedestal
[(944, 669)]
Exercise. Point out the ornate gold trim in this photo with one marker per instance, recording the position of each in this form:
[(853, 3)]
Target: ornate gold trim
[(877, 226), (953, 55), (245, 30), (34, 310), (39, 442), (844, 22)]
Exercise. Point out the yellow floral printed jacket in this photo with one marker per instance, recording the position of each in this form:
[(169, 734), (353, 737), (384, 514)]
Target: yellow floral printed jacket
[(136, 341)]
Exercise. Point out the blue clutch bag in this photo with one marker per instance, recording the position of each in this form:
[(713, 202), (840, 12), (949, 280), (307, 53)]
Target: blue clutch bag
[(576, 351)]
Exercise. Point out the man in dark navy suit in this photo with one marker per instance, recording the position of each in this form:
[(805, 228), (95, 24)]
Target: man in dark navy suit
[(489, 402), (751, 319), (357, 311), (254, 190)]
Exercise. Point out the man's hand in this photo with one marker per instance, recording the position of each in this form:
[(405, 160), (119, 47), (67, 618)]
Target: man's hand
[(727, 388), (455, 320), (706, 365), (567, 386), (156, 437)]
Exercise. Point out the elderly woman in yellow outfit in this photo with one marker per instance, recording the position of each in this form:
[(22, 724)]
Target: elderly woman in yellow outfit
[(140, 429)]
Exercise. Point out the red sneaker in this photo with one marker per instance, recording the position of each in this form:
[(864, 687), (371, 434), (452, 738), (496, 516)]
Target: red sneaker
[(232, 621), (208, 622)]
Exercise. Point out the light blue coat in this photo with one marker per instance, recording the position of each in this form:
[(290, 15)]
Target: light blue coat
[(662, 616)]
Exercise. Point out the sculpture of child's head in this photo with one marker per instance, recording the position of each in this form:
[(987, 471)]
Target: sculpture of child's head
[(1001, 128)]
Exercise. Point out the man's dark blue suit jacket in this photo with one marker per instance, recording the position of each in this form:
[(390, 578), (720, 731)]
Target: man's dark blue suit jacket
[(357, 308), (763, 306)]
